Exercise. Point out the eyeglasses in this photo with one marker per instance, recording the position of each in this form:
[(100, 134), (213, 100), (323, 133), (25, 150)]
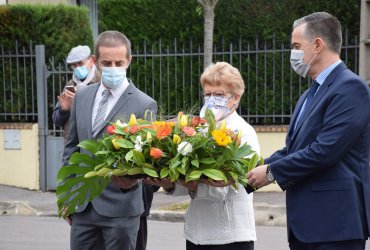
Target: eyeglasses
[(215, 94)]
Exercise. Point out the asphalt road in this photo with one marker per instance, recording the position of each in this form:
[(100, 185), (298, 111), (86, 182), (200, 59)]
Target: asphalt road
[(51, 233)]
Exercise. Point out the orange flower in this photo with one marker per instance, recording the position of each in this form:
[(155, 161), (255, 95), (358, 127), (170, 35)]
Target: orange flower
[(134, 129), (163, 132), (156, 153), (189, 131), (195, 121)]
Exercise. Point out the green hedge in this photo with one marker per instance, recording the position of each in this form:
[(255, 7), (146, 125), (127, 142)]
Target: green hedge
[(153, 19), (58, 27), (174, 81)]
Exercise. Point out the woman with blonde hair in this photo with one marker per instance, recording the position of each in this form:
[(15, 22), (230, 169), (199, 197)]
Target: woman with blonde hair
[(219, 217)]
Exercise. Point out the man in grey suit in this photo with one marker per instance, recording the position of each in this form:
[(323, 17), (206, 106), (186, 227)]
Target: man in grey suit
[(110, 221)]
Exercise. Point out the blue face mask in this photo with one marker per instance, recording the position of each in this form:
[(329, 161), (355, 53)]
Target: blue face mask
[(112, 77), (81, 72), (218, 105)]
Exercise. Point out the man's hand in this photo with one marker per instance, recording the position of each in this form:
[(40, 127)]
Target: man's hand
[(257, 177), (165, 182), (65, 100), (68, 220), (124, 182)]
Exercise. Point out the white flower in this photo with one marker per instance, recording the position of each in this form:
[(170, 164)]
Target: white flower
[(120, 124), (184, 148), (138, 143)]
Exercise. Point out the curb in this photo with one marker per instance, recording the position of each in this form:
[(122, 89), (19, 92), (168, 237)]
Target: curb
[(18, 208), (265, 214)]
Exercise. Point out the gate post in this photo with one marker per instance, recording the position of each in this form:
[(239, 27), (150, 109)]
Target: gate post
[(365, 41), (41, 111)]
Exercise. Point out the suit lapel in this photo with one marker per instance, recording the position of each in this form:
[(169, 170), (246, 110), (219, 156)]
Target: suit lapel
[(318, 96), (124, 98), (90, 105)]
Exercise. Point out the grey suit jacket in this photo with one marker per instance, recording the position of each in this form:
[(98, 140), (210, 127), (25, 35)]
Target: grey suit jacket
[(113, 202)]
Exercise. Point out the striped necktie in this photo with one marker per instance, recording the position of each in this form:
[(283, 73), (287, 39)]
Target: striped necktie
[(100, 114)]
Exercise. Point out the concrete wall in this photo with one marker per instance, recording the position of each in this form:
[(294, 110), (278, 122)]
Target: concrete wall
[(20, 167)]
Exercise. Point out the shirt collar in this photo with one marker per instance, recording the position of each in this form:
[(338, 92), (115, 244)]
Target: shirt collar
[(320, 79), (117, 91)]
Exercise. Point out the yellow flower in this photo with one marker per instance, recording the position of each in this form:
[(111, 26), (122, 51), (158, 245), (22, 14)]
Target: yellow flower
[(221, 138), (132, 120), (115, 144), (176, 139), (223, 126), (149, 137), (159, 123), (183, 121)]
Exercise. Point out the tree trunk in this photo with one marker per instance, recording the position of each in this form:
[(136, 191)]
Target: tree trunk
[(209, 20)]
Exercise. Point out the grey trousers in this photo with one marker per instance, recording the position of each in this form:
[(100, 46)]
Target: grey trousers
[(92, 231)]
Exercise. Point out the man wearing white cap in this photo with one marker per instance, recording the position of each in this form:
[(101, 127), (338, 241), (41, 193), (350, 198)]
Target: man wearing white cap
[(84, 73)]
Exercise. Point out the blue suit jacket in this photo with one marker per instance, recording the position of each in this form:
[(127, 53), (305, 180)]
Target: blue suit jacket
[(324, 167)]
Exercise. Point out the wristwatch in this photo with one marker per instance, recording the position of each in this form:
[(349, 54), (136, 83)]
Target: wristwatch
[(269, 174)]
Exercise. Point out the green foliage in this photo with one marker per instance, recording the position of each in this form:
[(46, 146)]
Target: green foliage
[(58, 27), (182, 19)]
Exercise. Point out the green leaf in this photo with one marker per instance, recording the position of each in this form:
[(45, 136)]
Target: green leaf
[(164, 172), (210, 117), (90, 145), (253, 162), (215, 174), (150, 172), (66, 171), (78, 158), (242, 152), (135, 170), (207, 161), (129, 155), (124, 143), (138, 156), (75, 191), (194, 175), (195, 163)]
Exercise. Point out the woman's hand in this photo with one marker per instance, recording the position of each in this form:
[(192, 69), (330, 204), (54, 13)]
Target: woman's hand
[(165, 182)]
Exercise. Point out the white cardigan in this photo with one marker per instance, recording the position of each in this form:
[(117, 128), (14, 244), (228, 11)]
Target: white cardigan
[(221, 215)]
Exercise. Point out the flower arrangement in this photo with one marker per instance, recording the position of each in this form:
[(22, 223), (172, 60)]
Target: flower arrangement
[(189, 148)]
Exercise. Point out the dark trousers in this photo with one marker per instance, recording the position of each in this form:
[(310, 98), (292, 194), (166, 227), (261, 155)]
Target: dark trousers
[(142, 235), (295, 244), (245, 245), (90, 230)]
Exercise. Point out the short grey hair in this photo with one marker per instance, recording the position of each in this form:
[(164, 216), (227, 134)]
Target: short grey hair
[(112, 38), (323, 25)]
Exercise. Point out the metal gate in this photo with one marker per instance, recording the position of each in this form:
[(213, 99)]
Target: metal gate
[(51, 80)]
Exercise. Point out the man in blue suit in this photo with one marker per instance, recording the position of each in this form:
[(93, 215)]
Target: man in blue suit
[(324, 167)]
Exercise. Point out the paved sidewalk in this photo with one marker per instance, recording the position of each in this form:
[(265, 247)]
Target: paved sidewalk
[(269, 206)]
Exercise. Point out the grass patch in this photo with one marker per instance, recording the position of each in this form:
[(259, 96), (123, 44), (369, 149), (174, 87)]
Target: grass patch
[(181, 206)]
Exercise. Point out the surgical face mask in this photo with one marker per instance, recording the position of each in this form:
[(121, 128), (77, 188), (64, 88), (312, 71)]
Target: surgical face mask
[(112, 77), (296, 60), (218, 106), (81, 72)]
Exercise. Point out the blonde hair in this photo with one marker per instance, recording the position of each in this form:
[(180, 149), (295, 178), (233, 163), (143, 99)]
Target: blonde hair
[(223, 73)]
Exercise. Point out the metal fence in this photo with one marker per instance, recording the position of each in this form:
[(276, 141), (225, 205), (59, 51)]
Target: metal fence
[(170, 74)]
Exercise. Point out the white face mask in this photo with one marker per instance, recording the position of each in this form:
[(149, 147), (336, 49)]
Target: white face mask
[(218, 106), (296, 61)]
